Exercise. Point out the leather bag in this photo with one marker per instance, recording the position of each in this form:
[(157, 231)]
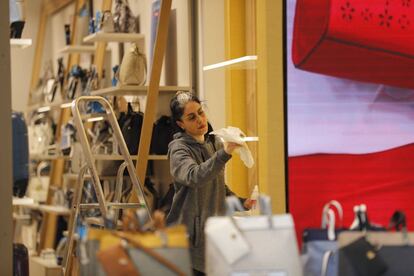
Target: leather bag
[(133, 68), (363, 40)]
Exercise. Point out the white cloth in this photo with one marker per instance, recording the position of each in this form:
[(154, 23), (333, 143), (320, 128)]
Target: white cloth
[(235, 135)]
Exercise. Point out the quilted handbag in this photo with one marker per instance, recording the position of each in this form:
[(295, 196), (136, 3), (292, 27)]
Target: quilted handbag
[(363, 40)]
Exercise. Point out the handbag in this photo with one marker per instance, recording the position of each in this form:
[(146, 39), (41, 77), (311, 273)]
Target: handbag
[(319, 250), (124, 20), (39, 185), (162, 135), (374, 253), (141, 249), (368, 40), (133, 68), (107, 24), (40, 134), (391, 253), (251, 245)]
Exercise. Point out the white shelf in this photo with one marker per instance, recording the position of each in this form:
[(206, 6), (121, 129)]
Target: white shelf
[(242, 63), (133, 157), (113, 37), (22, 201), (135, 90), (44, 107), (78, 49), (31, 204), (20, 43)]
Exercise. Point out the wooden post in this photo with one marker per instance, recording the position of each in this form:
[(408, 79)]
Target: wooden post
[(153, 91)]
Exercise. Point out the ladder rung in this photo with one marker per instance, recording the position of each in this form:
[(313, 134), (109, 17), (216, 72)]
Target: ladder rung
[(94, 117)]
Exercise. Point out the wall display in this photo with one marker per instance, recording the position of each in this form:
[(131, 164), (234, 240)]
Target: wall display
[(347, 139)]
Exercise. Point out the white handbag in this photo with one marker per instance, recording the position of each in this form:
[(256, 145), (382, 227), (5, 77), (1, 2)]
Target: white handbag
[(255, 245), (133, 68), (39, 185)]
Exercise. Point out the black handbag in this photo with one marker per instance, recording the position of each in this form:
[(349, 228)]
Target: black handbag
[(162, 135), (377, 253), (130, 124)]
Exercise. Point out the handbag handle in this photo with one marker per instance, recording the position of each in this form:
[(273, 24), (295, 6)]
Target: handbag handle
[(151, 253), (328, 217)]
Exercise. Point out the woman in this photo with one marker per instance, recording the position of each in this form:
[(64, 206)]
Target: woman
[(197, 164)]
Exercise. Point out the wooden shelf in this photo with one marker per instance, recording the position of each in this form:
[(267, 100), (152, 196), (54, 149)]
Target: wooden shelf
[(78, 49), (20, 43), (133, 157), (44, 107), (135, 90), (113, 37)]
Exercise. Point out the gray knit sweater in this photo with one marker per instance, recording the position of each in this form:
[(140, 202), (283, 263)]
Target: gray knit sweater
[(198, 173)]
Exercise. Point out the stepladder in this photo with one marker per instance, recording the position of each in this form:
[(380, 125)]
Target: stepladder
[(109, 209)]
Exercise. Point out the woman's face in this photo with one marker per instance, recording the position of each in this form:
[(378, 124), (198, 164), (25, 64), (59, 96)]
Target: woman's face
[(194, 121)]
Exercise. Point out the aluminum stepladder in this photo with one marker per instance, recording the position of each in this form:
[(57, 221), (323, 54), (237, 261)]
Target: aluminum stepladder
[(90, 167)]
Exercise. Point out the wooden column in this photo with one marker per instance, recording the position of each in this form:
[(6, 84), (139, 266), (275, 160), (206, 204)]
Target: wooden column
[(153, 91), (270, 98)]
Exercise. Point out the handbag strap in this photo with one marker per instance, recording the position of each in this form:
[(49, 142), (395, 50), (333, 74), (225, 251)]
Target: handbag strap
[(325, 261), (151, 253)]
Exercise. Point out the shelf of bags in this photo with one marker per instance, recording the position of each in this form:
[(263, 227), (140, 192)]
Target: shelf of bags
[(113, 37), (20, 43), (133, 157), (135, 90), (78, 49), (45, 107), (48, 157)]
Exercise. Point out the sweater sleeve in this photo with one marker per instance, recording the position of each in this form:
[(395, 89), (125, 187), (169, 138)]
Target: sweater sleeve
[(187, 171)]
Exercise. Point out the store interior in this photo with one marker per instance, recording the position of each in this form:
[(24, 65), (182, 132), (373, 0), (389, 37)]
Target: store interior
[(218, 137)]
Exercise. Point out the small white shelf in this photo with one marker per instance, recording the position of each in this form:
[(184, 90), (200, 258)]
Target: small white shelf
[(135, 90), (20, 43), (241, 63), (44, 107), (113, 37), (78, 49)]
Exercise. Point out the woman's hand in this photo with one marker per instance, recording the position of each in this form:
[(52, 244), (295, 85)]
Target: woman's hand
[(248, 204), (229, 147)]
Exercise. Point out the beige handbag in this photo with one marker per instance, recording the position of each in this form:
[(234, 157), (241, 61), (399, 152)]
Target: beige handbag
[(133, 69), (107, 22)]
